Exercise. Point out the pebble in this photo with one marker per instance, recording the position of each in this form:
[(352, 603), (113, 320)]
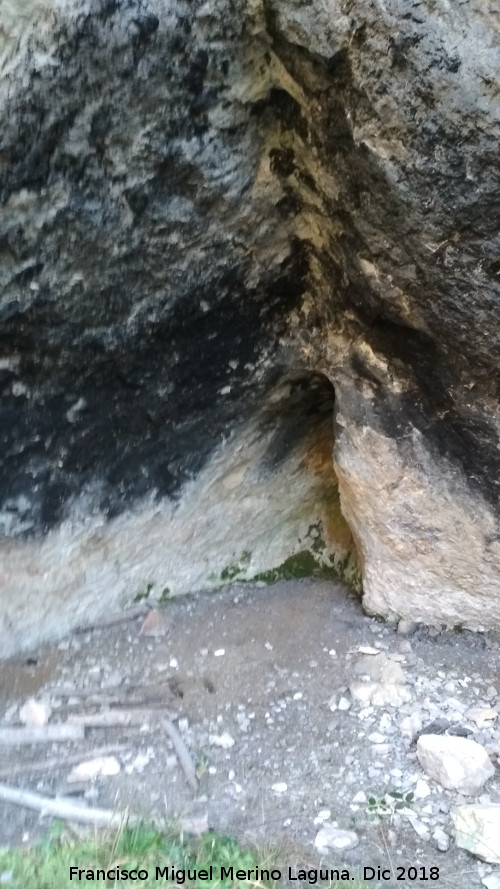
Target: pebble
[(279, 787), (322, 816), (156, 623), (225, 740), (441, 840), (377, 738), (407, 627), (422, 789), (35, 713), (332, 838)]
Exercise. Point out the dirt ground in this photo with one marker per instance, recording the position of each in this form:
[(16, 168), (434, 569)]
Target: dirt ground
[(268, 669)]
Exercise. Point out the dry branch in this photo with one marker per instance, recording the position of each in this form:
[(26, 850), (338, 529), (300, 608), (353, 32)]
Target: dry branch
[(183, 754), (59, 808), (29, 734), (60, 762), (111, 718)]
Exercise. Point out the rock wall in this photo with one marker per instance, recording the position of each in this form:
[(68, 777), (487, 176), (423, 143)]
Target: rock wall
[(209, 210)]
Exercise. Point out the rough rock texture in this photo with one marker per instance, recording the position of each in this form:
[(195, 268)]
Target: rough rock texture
[(208, 211), (455, 763), (477, 829)]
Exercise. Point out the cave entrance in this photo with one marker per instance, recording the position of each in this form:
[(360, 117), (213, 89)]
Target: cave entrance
[(297, 421)]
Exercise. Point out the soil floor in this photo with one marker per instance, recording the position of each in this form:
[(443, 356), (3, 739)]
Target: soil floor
[(257, 682)]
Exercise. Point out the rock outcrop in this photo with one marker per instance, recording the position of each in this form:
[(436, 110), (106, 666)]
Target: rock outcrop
[(222, 224)]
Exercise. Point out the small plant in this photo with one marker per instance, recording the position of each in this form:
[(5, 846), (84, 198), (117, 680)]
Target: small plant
[(388, 805)]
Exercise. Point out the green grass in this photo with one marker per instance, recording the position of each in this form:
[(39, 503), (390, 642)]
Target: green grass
[(47, 865)]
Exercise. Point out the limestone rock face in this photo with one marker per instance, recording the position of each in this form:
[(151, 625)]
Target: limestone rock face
[(222, 224)]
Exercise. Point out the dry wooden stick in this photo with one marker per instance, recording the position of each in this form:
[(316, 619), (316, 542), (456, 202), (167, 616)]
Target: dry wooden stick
[(59, 808), (183, 754), (43, 734), (110, 718), (60, 762)]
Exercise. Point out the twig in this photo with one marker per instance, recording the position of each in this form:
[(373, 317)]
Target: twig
[(183, 754), (59, 808), (110, 718), (14, 737), (60, 762)]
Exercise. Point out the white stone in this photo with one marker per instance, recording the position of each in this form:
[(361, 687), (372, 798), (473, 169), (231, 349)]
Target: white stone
[(422, 789), (481, 715), (333, 838), (411, 725), (377, 738), (441, 839), (455, 763), (477, 829), (418, 826), (344, 704), (280, 787), (379, 694), (93, 768), (225, 740), (35, 713), (322, 816)]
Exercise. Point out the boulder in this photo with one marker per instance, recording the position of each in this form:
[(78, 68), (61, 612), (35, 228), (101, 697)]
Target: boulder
[(454, 762), (477, 829)]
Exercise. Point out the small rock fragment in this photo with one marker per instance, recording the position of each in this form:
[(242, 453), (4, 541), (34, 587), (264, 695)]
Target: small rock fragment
[(379, 694), (455, 763), (481, 715), (377, 738), (422, 789), (333, 838), (225, 740), (322, 816), (344, 704), (280, 787), (418, 826), (441, 839), (477, 829), (93, 768), (35, 713), (156, 623), (411, 725), (407, 627)]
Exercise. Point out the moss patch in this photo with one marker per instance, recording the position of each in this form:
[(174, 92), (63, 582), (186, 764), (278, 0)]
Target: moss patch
[(314, 560)]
